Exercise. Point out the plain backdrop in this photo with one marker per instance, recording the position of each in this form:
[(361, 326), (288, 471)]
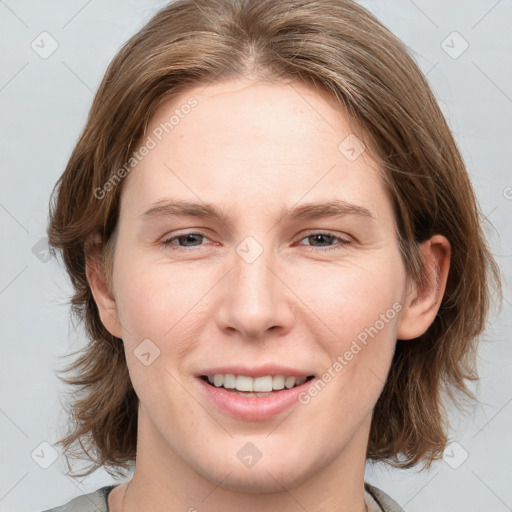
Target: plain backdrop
[(53, 56)]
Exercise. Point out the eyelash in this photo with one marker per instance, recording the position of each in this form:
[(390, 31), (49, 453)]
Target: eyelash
[(342, 242)]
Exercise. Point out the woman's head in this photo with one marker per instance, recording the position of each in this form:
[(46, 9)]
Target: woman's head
[(258, 110)]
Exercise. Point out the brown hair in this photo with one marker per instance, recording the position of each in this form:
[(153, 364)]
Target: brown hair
[(334, 46)]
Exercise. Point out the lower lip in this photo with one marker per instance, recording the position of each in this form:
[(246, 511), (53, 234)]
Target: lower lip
[(253, 408)]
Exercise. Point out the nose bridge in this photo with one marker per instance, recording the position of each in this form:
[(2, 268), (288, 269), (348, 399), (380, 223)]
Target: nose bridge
[(254, 302)]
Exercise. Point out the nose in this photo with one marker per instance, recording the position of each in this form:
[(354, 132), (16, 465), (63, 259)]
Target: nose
[(255, 298)]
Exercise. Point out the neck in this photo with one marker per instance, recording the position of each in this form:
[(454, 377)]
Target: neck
[(163, 480)]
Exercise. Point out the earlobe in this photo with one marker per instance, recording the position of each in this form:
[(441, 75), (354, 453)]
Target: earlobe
[(102, 294), (424, 299)]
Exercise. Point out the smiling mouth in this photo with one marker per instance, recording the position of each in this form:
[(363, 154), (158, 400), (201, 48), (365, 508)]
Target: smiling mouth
[(244, 385)]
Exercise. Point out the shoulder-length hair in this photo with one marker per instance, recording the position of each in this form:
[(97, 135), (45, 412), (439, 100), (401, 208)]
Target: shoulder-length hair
[(339, 48)]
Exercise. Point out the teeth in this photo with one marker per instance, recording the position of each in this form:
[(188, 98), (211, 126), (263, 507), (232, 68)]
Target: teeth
[(229, 381), (289, 382), (244, 383), (262, 383), (257, 384), (278, 382)]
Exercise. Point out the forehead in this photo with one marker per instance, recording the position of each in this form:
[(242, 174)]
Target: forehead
[(260, 143), (254, 116)]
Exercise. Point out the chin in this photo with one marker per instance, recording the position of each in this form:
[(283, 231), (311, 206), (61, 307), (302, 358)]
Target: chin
[(265, 480), (265, 476)]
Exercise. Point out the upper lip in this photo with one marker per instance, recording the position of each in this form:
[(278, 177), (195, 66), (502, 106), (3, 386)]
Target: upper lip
[(256, 371)]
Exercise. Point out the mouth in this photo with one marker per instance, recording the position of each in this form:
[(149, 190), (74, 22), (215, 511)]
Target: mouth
[(247, 386), (254, 393)]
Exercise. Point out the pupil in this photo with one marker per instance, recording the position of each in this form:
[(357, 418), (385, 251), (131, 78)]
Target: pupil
[(188, 237), (319, 237)]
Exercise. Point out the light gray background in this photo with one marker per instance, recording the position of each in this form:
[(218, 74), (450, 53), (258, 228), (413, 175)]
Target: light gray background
[(43, 105)]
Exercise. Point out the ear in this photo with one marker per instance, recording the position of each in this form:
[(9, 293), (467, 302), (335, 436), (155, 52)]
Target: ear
[(101, 292), (424, 299)]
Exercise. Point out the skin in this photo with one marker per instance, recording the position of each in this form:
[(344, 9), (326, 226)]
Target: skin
[(252, 149)]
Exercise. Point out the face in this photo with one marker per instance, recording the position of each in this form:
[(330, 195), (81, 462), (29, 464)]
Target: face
[(288, 266)]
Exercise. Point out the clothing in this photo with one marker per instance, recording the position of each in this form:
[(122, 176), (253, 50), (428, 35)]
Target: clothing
[(97, 501), (386, 503)]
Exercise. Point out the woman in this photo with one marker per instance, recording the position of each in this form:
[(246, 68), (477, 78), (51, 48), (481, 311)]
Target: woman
[(277, 254)]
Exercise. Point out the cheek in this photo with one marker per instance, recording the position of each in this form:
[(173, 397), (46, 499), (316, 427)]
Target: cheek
[(158, 300), (349, 298), (355, 320), (158, 306)]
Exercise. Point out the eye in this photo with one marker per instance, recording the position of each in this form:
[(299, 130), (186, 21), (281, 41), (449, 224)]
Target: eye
[(322, 240), (182, 241), (325, 240)]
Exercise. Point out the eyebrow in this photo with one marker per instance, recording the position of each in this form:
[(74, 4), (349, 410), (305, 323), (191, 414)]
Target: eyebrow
[(308, 211)]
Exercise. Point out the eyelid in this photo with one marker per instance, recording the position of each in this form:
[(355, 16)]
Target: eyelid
[(343, 241), (165, 241), (326, 232)]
